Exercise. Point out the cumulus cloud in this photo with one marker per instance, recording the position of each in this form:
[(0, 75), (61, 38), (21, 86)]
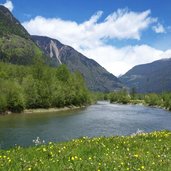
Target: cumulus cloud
[(90, 37), (120, 60), (8, 4), (159, 28), (122, 24)]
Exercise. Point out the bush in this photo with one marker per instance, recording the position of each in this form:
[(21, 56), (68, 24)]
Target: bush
[(13, 99), (120, 97), (152, 100), (166, 97)]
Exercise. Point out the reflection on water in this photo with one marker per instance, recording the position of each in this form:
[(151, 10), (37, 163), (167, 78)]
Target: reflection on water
[(101, 119)]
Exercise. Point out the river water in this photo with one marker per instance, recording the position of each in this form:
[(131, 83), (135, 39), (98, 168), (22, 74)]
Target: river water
[(101, 119)]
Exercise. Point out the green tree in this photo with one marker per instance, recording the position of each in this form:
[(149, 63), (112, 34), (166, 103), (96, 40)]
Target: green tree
[(3, 103), (14, 96), (62, 73), (152, 99)]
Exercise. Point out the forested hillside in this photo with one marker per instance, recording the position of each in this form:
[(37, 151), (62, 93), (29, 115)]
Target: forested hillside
[(16, 45), (97, 78), (153, 77)]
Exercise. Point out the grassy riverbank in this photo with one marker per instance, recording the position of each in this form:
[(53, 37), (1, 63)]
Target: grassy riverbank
[(150, 151), (27, 111)]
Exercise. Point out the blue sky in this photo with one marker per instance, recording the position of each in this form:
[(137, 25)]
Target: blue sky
[(116, 33)]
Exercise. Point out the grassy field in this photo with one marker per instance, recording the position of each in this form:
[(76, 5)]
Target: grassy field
[(148, 152)]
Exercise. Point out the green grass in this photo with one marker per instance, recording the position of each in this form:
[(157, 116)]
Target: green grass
[(148, 152)]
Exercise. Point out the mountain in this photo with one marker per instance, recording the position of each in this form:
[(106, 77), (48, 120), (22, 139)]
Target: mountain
[(151, 77), (16, 45), (96, 77)]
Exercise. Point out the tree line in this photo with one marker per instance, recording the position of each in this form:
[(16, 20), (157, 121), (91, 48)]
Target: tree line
[(40, 86), (162, 100)]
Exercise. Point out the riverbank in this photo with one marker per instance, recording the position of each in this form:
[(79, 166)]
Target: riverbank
[(142, 103), (43, 110), (146, 151), (27, 111), (161, 100)]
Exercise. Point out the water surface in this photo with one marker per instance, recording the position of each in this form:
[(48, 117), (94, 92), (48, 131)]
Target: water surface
[(101, 119)]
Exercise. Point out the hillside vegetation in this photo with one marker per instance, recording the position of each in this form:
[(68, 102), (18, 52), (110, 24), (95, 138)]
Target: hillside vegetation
[(16, 45), (96, 77), (153, 77)]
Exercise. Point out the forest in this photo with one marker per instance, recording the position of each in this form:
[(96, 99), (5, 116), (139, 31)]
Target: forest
[(40, 86)]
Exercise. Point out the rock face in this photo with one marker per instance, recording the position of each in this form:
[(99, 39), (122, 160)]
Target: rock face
[(97, 78), (151, 77), (16, 45)]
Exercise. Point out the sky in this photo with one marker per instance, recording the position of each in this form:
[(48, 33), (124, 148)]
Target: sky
[(118, 34)]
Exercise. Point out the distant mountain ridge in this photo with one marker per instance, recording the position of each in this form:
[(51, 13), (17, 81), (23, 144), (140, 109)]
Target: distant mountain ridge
[(97, 78), (151, 77)]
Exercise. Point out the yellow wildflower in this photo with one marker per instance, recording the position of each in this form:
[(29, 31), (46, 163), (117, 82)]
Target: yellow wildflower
[(136, 155), (44, 149)]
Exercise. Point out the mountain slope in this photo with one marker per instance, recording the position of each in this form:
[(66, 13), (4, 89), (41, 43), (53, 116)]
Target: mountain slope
[(151, 77), (97, 78), (16, 45)]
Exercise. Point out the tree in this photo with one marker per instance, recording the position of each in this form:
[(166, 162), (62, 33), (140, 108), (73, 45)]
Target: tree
[(133, 93), (152, 99), (14, 96), (3, 103), (62, 73)]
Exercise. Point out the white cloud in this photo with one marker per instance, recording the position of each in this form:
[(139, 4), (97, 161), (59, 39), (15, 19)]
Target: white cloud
[(159, 28), (122, 24), (90, 36), (8, 4), (120, 60)]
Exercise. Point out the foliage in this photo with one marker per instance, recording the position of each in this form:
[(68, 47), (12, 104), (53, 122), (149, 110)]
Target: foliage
[(120, 97), (11, 96), (9, 25), (152, 99), (3, 103), (166, 100), (18, 50), (162, 100), (146, 151), (39, 86)]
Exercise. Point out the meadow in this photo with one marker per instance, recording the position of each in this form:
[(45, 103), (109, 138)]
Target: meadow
[(145, 151)]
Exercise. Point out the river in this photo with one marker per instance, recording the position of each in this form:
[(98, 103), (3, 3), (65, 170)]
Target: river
[(101, 119)]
